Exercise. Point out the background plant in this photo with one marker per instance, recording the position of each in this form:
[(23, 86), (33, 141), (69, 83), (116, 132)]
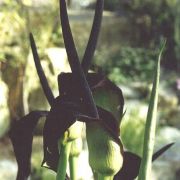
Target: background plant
[(125, 17)]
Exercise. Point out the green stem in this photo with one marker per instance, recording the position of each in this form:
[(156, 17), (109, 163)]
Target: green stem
[(63, 160), (73, 163), (95, 175), (104, 177)]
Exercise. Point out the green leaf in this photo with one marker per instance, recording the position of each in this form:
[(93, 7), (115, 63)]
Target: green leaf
[(145, 168)]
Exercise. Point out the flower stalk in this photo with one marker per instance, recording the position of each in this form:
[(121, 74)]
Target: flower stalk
[(76, 149), (73, 164), (64, 151), (104, 177)]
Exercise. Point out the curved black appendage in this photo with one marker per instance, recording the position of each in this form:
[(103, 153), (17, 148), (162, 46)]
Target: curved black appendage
[(91, 46), (74, 60), (132, 162), (68, 38), (161, 151), (44, 83)]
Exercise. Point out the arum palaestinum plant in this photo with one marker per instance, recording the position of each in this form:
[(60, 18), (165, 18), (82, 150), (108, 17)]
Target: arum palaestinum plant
[(83, 97)]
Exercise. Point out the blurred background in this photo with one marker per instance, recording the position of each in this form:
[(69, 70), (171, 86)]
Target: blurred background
[(128, 47)]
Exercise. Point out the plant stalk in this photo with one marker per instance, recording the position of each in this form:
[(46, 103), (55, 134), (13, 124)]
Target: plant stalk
[(104, 177), (73, 163), (64, 151)]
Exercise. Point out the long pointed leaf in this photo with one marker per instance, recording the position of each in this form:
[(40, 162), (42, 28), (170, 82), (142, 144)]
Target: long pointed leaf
[(145, 168)]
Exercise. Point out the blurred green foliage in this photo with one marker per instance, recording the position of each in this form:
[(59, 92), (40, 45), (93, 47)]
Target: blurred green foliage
[(12, 30), (118, 63), (149, 22), (132, 131), (19, 18)]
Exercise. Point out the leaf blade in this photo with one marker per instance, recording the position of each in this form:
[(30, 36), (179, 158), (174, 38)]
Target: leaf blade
[(145, 168)]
